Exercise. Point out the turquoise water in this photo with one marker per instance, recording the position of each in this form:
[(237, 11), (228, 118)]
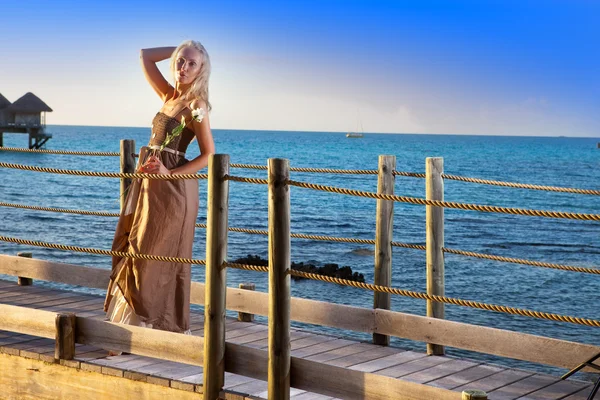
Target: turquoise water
[(572, 162)]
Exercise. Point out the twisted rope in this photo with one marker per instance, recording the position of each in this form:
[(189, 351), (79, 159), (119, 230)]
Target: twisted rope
[(69, 152), (60, 210), (522, 185), (336, 239), (247, 180), (449, 204), (103, 174), (523, 261), (102, 252), (410, 174), (247, 267), (449, 300)]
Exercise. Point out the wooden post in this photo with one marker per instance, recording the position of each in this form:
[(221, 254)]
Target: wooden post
[(216, 275), (127, 166), (474, 395), (22, 281), (435, 242), (64, 348), (279, 280), (1, 139), (383, 239), (242, 316)]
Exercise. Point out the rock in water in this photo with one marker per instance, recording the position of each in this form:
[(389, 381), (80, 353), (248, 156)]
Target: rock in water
[(332, 270)]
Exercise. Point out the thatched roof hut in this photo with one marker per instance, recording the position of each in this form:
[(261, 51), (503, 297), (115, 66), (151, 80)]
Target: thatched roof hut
[(3, 102), (29, 104)]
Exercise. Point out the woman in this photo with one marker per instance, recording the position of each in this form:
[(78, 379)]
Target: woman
[(158, 217)]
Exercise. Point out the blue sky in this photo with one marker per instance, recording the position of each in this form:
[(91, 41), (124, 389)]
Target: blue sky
[(457, 67)]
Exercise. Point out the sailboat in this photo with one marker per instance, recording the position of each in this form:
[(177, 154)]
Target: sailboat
[(356, 134)]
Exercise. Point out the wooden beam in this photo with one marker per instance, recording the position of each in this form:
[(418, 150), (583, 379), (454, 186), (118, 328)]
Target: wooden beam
[(242, 316), (65, 337), (140, 341), (279, 279), (384, 228), (21, 280), (434, 221), (127, 147), (216, 275), (499, 342), (54, 272), (28, 379), (28, 321)]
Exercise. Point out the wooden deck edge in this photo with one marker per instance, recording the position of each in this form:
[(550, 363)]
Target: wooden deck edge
[(31, 378)]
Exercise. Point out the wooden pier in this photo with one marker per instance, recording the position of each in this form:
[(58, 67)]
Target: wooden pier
[(54, 343), (117, 376)]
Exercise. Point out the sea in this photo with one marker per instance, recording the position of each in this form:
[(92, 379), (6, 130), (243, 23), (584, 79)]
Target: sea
[(552, 161)]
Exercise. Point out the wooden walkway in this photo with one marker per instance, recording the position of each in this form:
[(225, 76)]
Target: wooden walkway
[(446, 372)]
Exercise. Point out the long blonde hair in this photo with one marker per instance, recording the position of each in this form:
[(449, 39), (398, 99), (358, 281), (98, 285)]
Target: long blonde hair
[(199, 88)]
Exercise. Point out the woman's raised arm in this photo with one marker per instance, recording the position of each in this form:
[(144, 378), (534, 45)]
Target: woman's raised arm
[(149, 58)]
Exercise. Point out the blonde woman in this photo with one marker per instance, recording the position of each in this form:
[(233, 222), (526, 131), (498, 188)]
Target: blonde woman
[(159, 216)]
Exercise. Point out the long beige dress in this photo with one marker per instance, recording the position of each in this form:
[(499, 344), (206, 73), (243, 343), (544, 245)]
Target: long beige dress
[(158, 218)]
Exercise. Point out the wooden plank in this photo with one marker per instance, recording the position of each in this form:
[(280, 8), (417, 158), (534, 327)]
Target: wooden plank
[(147, 342), (462, 378), (413, 366), (388, 361), (232, 380), (27, 320), (365, 356), (558, 390), (54, 272), (54, 381), (321, 348), (294, 335), (245, 331), (252, 337), (311, 396), (439, 371), (522, 387), (179, 371), (496, 381), (340, 352), (581, 395)]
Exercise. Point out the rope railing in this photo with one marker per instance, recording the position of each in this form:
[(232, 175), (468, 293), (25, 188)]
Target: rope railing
[(338, 171), (67, 152), (425, 296), (449, 204), (522, 185), (587, 270), (103, 252), (247, 180), (60, 210), (164, 177)]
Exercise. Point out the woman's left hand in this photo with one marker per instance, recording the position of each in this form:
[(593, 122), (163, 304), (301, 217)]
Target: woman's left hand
[(154, 166)]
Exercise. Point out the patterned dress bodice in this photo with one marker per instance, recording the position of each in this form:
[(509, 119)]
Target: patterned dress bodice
[(162, 125)]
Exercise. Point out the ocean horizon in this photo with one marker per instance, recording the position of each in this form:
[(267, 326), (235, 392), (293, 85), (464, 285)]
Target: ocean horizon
[(553, 161)]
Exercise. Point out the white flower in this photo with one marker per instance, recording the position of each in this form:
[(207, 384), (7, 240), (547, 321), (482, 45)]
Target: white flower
[(198, 114)]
